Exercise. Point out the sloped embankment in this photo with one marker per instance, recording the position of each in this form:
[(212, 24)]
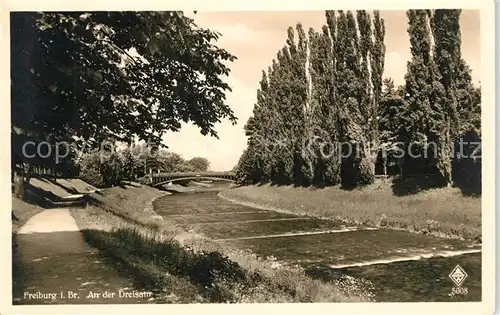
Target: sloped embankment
[(122, 224), (443, 212)]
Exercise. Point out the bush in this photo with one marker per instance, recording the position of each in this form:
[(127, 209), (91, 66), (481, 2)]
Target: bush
[(466, 170), (106, 172), (145, 180), (92, 177)]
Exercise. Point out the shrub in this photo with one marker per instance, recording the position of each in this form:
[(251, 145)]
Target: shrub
[(92, 177)]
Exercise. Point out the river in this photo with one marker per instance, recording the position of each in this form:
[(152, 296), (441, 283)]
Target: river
[(402, 266)]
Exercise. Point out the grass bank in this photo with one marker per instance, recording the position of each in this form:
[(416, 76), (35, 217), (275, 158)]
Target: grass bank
[(187, 268), (443, 212), (129, 204), (22, 211)]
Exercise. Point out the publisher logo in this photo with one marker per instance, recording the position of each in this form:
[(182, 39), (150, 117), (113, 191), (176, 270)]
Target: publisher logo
[(458, 276)]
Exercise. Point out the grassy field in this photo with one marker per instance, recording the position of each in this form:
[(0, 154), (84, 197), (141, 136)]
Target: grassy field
[(188, 268), (443, 212)]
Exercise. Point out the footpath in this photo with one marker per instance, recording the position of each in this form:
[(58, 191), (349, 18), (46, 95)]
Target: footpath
[(54, 265)]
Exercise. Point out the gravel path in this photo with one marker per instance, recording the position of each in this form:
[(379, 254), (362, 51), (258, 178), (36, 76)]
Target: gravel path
[(56, 266)]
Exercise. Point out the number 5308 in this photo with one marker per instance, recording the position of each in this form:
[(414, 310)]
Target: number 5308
[(460, 290)]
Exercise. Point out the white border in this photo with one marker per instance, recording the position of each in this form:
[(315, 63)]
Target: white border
[(488, 125)]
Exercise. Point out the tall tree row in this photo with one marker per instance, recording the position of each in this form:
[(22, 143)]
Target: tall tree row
[(325, 115), (319, 91)]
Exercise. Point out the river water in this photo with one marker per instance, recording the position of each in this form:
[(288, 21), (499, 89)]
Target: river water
[(402, 266)]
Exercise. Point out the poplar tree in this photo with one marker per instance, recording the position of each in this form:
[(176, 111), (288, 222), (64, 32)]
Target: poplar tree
[(253, 162), (454, 72), (355, 167), (468, 101), (311, 155), (273, 109), (446, 58), (281, 161), (461, 110), (317, 114), (366, 104), (377, 63), (422, 116), (300, 114), (333, 165), (345, 79), (325, 135), (462, 107)]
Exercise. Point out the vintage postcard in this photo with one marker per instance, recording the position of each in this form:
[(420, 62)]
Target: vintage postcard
[(234, 157)]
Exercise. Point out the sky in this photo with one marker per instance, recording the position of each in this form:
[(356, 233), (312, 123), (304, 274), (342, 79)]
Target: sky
[(255, 37)]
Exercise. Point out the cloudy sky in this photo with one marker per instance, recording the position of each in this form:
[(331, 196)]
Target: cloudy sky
[(255, 37)]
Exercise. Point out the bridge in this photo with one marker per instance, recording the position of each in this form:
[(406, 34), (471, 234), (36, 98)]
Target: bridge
[(163, 178)]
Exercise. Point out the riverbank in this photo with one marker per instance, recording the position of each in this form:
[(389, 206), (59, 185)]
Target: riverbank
[(22, 211), (188, 268), (442, 212)]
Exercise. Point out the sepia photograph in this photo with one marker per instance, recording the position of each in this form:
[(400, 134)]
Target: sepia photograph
[(248, 156)]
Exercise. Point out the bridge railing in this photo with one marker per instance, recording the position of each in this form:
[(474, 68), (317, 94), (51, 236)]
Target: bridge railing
[(161, 174), (159, 178)]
